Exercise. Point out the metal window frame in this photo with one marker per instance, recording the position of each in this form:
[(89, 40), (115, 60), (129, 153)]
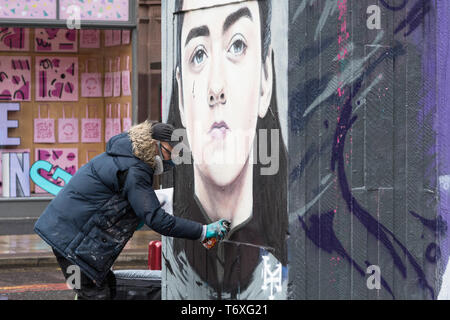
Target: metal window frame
[(105, 24)]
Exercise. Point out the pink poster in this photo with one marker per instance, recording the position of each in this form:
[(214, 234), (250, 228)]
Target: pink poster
[(109, 125), (117, 79), (44, 128), (113, 38), (126, 121), (55, 40), (91, 128), (28, 9), (15, 78), (68, 129), (126, 35), (91, 82), (56, 79), (14, 39), (126, 90), (111, 10), (112, 121), (116, 121), (108, 87), (64, 158), (90, 38)]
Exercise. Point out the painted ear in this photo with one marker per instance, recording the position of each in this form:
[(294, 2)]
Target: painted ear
[(266, 85), (180, 97)]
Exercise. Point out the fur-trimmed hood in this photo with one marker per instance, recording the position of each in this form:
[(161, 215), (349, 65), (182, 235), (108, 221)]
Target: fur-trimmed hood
[(142, 145)]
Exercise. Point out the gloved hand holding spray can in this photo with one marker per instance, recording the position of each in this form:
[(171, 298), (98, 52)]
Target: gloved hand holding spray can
[(215, 232)]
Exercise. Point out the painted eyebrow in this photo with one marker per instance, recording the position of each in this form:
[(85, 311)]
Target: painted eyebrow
[(234, 17), (202, 31)]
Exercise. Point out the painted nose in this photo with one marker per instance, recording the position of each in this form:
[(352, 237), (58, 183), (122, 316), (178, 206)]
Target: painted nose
[(216, 98)]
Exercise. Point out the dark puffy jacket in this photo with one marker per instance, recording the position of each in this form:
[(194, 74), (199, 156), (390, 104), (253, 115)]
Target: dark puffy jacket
[(92, 218)]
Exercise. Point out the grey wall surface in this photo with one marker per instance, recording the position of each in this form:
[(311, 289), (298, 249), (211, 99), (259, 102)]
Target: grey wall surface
[(363, 172)]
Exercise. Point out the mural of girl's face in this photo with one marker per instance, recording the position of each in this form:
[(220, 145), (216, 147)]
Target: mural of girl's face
[(222, 85)]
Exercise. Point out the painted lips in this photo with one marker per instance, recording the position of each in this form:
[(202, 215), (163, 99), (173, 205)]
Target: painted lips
[(219, 130)]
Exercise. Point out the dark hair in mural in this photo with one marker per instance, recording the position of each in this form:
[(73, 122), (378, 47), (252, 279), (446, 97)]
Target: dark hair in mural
[(269, 222)]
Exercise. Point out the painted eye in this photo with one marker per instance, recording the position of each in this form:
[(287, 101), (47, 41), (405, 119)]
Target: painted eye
[(237, 47), (199, 57)]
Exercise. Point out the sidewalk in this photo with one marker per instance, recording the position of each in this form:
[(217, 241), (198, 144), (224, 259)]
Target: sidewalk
[(32, 251)]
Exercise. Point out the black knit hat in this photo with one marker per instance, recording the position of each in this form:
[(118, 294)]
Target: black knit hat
[(162, 132)]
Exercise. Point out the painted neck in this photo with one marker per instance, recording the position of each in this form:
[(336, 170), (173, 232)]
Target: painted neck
[(233, 202)]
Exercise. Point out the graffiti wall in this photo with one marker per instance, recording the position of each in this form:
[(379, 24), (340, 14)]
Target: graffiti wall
[(318, 128), (363, 187)]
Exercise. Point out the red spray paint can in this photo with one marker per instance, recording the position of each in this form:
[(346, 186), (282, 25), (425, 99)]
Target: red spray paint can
[(154, 255)]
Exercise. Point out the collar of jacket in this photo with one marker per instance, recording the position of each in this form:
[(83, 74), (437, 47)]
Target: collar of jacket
[(144, 146)]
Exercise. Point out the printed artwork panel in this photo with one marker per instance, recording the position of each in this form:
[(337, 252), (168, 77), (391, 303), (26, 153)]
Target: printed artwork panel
[(44, 130), (113, 38), (68, 130), (91, 130), (55, 40), (14, 39), (15, 78), (56, 79), (90, 38), (64, 158)]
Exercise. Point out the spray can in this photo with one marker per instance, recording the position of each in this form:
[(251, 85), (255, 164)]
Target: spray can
[(211, 242)]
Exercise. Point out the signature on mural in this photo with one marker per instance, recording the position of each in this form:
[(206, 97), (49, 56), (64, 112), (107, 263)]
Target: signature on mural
[(271, 277)]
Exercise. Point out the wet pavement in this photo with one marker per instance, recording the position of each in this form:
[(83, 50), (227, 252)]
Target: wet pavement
[(32, 244), (41, 283), (28, 269)]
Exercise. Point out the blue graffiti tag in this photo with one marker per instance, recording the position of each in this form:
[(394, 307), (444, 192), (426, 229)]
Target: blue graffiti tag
[(44, 183), (415, 16), (394, 8)]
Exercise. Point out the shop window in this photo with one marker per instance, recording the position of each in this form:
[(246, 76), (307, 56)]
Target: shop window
[(63, 94)]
